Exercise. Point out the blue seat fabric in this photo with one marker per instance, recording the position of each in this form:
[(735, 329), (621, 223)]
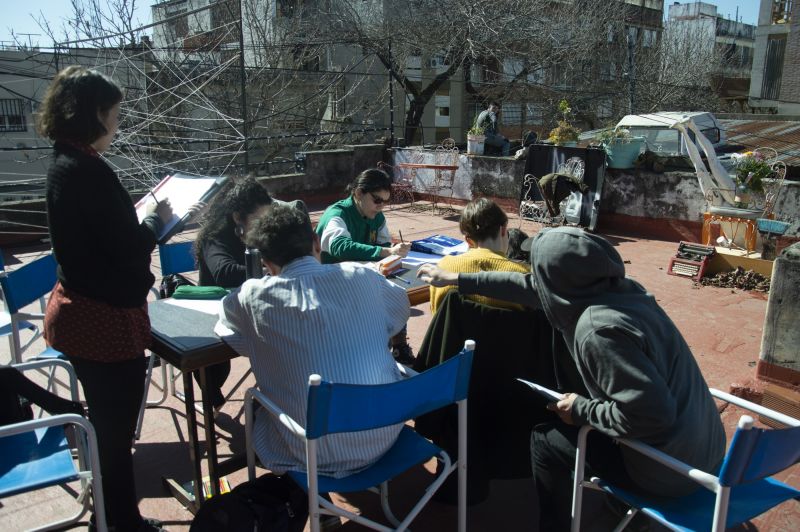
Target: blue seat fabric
[(696, 511), (34, 460), (409, 450)]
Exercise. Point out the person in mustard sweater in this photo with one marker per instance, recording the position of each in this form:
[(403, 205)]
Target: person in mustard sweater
[(485, 228)]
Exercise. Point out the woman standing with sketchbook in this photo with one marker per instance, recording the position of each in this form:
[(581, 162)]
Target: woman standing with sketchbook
[(97, 313)]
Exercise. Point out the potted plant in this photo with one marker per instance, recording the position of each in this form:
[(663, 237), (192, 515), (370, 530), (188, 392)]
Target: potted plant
[(620, 146), (475, 139), (564, 134), (751, 170)]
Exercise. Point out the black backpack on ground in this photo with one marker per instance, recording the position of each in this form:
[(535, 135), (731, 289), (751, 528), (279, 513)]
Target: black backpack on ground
[(170, 283), (266, 504)]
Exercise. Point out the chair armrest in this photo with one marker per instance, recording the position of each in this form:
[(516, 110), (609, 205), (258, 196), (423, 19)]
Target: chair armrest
[(51, 421), (753, 407), (253, 394), (53, 363), (701, 477)]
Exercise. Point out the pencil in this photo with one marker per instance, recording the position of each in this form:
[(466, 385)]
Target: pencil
[(401, 237), (154, 197)]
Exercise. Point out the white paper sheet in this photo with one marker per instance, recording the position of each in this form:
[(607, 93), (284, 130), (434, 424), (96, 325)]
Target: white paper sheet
[(547, 393)]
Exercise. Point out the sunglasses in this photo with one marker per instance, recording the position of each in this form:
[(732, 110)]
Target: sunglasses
[(377, 200)]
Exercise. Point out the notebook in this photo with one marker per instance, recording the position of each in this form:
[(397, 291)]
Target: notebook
[(183, 191)]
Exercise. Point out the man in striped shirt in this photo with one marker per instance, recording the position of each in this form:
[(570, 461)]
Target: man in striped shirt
[(334, 320)]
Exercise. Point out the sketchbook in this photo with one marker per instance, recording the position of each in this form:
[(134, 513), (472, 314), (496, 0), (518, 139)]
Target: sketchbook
[(439, 245), (549, 395), (183, 191)]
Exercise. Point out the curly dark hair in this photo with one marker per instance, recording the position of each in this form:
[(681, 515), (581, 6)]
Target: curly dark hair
[(70, 107), (482, 219), (370, 180), (282, 235), (243, 197)]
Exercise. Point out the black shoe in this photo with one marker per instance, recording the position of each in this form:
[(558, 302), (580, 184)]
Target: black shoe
[(403, 354)]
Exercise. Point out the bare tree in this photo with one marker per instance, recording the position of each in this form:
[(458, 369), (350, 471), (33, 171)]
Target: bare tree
[(95, 20)]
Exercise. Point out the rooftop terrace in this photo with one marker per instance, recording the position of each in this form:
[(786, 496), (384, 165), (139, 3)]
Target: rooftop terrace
[(722, 326)]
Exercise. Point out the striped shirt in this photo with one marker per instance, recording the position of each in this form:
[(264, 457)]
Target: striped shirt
[(334, 320)]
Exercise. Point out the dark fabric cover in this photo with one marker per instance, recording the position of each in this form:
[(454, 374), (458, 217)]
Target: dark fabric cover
[(502, 411), (544, 159)]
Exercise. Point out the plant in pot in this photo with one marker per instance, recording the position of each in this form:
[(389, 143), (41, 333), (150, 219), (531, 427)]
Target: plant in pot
[(564, 134), (475, 139), (620, 146), (751, 170)]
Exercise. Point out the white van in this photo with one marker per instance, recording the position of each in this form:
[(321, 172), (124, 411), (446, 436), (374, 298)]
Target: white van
[(661, 138)]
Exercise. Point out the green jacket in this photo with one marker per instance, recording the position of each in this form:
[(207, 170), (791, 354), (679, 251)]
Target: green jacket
[(346, 235)]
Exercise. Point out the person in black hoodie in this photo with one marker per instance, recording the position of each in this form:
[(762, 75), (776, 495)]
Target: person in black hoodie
[(220, 251), (97, 312), (640, 377)]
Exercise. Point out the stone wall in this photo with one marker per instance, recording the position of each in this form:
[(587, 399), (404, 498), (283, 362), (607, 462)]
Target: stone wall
[(630, 193)]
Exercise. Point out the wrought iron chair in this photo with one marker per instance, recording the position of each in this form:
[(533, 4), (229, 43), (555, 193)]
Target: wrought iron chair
[(532, 203), (445, 166), (738, 492), (336, 408), (402, 182)]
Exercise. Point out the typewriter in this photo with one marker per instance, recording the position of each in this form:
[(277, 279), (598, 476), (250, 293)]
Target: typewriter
[(691, 260)]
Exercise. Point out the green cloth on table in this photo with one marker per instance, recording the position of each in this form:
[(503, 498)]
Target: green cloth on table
[(199, 292)]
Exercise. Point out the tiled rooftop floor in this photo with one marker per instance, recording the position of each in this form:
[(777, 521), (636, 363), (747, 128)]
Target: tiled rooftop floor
[(722, 326)]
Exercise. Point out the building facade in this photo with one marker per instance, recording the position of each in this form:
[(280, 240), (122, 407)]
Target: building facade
[(775, 79)]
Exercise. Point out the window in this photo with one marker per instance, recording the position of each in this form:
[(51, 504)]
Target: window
[(12, 115), (534, 114), (605, 108), (781, 11), (649, 38), (511, 114)]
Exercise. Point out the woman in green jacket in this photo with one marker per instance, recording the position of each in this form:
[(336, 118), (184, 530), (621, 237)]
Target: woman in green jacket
[(354, 229)]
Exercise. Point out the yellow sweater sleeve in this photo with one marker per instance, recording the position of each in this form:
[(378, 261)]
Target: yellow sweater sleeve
[(473, 261)]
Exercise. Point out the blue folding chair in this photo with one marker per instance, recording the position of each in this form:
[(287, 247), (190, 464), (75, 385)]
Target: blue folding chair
[(36, 454), (335, 408), (22, 287), (740, 491)]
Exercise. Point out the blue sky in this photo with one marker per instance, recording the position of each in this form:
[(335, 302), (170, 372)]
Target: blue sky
[(19, 18)]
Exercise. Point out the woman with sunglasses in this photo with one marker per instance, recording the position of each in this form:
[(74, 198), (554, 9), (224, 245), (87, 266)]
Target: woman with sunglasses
[(354, 229)]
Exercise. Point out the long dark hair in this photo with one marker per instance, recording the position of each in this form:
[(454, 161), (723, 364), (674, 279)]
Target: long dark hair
[(370, 181), (71, 104), (244, 197)]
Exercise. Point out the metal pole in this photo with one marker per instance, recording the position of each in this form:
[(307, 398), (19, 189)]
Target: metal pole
[(391, 98), (631, 75), (243, 87)]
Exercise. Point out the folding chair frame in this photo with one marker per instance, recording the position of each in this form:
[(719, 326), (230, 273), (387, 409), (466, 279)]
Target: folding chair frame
[(86, 445), (319, 506), (704, 479)]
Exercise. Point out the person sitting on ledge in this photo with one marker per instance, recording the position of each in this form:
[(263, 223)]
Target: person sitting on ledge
[(489, 120), (640, 377), (307, 318), (485, 228)]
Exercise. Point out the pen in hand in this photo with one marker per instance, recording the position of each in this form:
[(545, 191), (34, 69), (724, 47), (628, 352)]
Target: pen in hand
[(401, 237), (155, 198)]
